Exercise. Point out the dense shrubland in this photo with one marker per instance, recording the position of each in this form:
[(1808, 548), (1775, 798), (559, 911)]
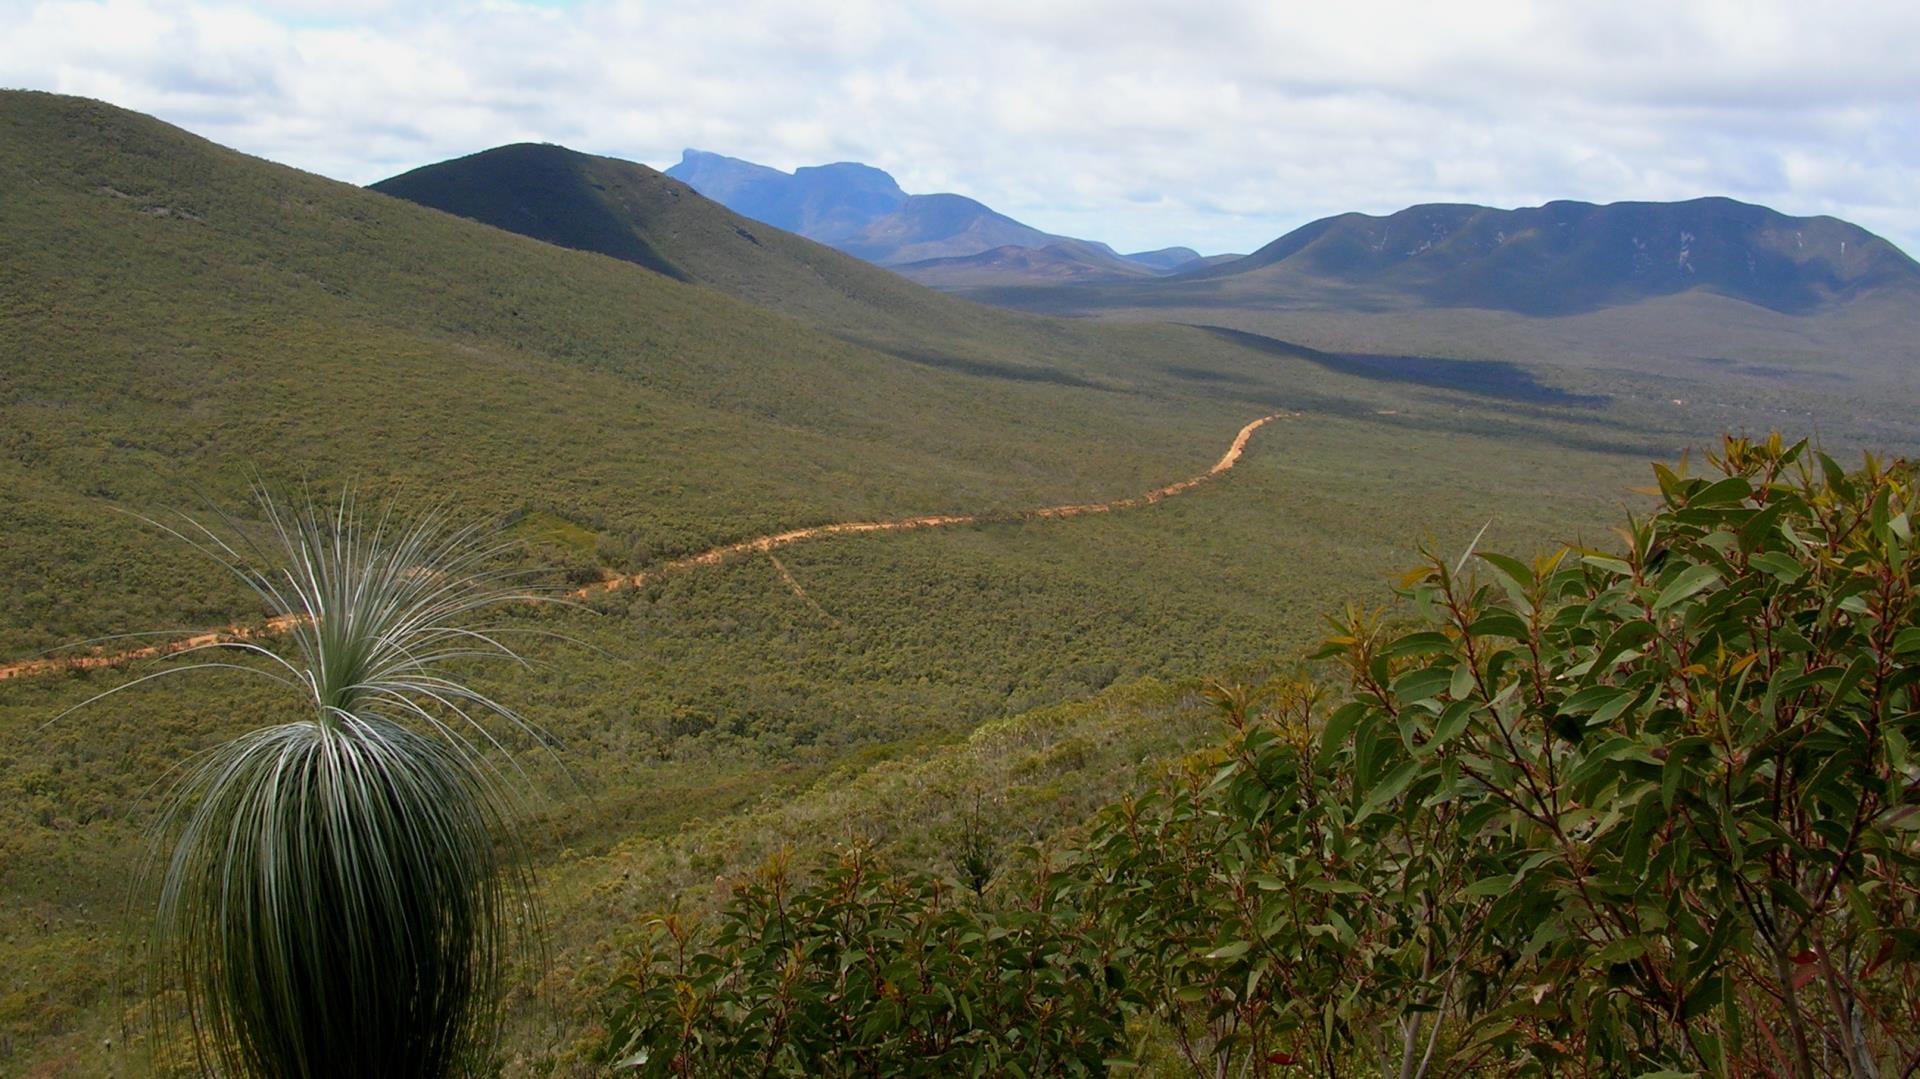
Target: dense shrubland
[(179, 312), (1639, 811)]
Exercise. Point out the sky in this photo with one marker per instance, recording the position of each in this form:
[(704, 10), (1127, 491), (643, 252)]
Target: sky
[(1215, 124)]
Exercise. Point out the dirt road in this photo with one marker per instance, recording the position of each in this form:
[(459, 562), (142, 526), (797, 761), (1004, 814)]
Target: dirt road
[(712, 556)]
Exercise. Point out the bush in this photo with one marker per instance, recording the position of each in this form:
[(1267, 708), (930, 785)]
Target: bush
[(1611, 813), (865, 971), (342, 893)]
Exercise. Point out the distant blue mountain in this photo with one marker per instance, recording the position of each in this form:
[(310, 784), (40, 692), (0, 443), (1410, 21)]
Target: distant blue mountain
[(1167, 258), (862, 211)]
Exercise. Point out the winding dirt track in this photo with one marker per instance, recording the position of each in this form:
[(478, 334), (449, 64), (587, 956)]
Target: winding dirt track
[(759, 544), (274, 626), (710, 557)]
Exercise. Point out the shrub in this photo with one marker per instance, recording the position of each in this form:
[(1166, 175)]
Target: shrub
[(1619, 813), (866, 971), (340, 895)]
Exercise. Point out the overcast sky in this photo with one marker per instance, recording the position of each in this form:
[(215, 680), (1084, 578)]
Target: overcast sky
[(1218, 124)]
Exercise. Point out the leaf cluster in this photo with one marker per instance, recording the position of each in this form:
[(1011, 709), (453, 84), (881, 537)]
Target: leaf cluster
[(863, 970), (342, 893), (1615, 813)]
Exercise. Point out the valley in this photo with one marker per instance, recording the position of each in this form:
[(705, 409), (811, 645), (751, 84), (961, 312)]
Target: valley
[(637, 384)]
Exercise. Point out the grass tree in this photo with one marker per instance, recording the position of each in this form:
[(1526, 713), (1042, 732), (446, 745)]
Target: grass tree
[(343, 894)]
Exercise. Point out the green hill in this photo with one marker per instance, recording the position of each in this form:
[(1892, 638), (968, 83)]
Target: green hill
[(179, 311), (631, 212), (1567, 257)]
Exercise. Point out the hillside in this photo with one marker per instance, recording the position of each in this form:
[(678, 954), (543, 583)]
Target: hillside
[(181, 310), (1054, 263), (180, 317), (1736, 300), (1567, 257), (861, 210), (633, 213)]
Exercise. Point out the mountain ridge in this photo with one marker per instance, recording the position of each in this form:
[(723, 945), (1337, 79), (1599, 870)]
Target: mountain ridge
[(861, 210), (629, 211), (1047, 264), (1565, 257)]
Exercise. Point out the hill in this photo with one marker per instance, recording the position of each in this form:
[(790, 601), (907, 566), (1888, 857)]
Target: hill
[(1179, 259), (1710, 292), (1056, 263), (862, 211), (1568, 257), (1167, 259)]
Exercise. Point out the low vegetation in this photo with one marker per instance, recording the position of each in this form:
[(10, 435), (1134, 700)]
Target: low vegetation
[(340, 894), (177, 315), (1608, 812)]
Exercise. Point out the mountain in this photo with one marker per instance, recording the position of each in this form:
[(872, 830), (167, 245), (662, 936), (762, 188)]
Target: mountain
[(631, 212), (824, 202), (1166, 258), (1567, 257), (862, 211), (1709, 288), (1054, 263)]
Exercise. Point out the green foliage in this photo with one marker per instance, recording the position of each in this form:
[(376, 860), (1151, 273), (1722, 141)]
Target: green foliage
[(1639, 813), (333, 904), (1602, 813), (865, 971), (341, 897)]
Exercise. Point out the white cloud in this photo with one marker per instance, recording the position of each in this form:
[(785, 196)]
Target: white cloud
[(1140, 122)]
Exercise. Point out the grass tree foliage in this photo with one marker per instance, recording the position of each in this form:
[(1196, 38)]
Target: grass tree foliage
[(1636, 812), (340, 895)]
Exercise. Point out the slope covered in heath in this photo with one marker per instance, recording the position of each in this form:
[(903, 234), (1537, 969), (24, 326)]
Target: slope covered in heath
[(631, 212), (177, 311), (176, 317), (96, 659)]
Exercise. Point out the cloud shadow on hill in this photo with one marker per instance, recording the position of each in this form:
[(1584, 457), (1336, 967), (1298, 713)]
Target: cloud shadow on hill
[(1497, 379)]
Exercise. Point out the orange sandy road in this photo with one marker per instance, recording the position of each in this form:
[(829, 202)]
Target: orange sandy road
[(764, 544), (274, 626), (714, 556)]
